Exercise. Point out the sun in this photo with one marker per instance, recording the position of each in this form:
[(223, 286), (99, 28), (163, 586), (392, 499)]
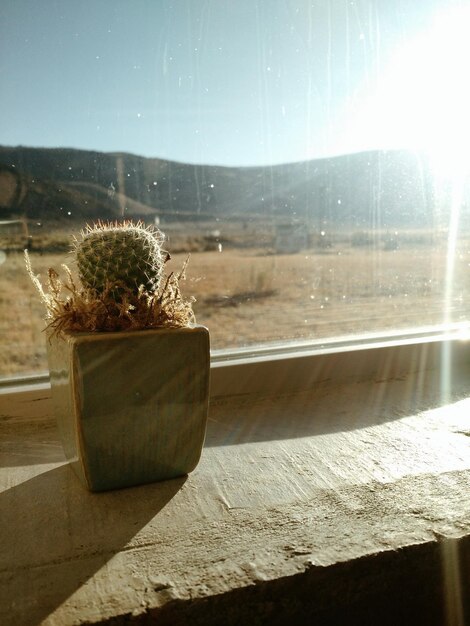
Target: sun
[(422, 100)]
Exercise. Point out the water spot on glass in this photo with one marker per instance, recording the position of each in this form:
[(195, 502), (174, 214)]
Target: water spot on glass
[(322, 233), (339, 201), (212, 186), (139, 114)]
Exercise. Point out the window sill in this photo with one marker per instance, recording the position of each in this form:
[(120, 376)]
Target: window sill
[(338, 501), (289, 368)]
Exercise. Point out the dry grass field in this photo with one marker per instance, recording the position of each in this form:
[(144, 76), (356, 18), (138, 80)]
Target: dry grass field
[(246, 294)]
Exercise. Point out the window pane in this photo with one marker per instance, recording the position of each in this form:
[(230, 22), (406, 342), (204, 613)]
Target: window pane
[(311, 157)]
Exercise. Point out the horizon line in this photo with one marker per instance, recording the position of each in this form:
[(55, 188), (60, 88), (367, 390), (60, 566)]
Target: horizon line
[(218, 165)]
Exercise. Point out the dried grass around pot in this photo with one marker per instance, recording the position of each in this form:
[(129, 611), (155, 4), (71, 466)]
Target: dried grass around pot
[(69, 307)]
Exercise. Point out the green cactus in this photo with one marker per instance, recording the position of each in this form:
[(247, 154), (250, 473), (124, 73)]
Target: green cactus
[(120, 258)]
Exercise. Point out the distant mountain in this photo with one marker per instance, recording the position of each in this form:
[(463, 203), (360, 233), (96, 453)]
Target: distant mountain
[(380, 189)]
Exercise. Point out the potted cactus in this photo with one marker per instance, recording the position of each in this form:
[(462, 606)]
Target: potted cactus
[(129, 366)]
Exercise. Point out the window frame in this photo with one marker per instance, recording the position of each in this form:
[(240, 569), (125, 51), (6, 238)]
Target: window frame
[(297, 367)]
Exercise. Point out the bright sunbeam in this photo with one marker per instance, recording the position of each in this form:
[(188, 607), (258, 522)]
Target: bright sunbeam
[(453, 600), (422, 99), (421, 102)]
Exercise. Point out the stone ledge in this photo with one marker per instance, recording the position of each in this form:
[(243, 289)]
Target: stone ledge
[(341, 504), (407, 586)]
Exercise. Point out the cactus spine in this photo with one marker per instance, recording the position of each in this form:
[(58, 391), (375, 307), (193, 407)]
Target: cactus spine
[(119, 258)]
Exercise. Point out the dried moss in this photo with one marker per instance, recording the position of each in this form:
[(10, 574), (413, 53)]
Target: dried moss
[(70, 307)]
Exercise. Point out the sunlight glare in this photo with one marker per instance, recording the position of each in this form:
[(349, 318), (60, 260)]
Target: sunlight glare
[(422, 99), (421, 102)]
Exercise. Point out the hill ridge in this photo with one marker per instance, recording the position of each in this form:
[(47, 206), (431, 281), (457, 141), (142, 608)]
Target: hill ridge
[(386, 188)]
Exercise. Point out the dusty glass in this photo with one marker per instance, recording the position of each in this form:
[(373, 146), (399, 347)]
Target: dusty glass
[(311, 158)]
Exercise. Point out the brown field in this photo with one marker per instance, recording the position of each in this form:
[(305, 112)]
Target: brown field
[(246, 294)]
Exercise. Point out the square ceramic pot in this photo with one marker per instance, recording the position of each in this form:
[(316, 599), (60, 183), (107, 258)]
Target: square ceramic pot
[(131, 406)]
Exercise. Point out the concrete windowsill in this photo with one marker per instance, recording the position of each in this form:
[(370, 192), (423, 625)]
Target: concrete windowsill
[(343, 504)]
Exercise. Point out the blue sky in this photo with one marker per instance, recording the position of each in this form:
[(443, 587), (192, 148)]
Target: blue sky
[(236, 82)]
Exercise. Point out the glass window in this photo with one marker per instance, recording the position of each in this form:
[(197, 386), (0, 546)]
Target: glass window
[(310, 156)]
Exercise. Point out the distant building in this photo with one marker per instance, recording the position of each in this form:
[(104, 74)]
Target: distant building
[(13, 227), (290, 238)]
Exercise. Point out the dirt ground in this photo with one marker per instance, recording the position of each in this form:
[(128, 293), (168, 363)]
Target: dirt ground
[(249, 295)]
